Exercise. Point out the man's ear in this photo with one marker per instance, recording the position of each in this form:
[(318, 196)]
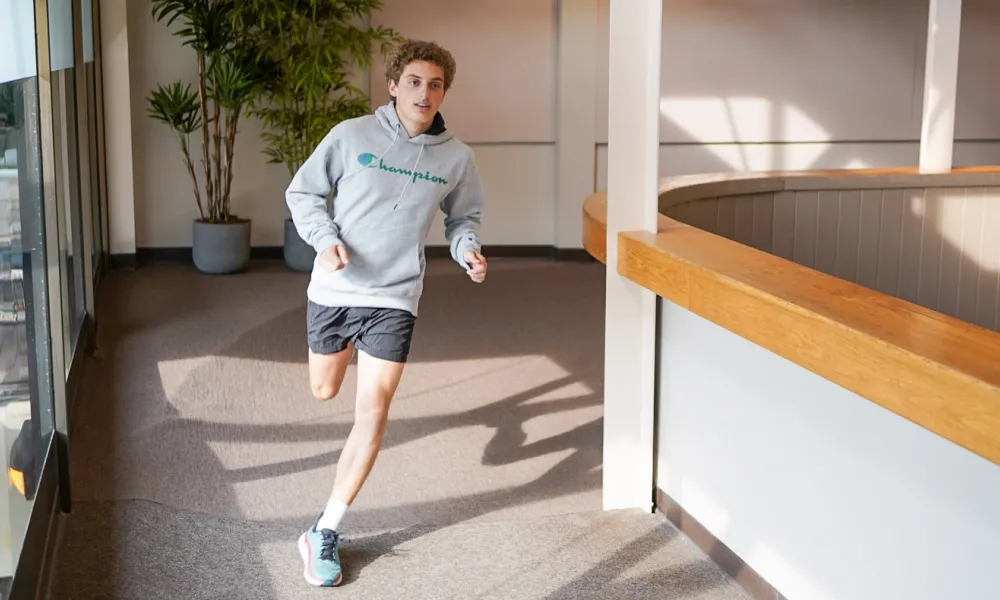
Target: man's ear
[(392, 89)]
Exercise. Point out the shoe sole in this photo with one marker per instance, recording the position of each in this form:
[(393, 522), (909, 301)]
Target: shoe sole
[(312, 580)]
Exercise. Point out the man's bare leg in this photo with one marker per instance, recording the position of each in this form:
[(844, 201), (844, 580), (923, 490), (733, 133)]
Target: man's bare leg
[(377, 383), (326, 372)]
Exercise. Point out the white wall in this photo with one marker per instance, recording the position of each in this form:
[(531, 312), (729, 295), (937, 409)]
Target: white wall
[(825, 494), (120, 158), (799, 84), (502, 104), (747, 85)]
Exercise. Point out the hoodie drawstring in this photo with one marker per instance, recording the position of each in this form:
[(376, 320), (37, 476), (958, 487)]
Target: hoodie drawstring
[(411, 177), (381, 156)]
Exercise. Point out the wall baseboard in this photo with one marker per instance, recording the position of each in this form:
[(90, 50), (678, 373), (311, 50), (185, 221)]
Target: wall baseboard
[(182, 255), (722, 555)]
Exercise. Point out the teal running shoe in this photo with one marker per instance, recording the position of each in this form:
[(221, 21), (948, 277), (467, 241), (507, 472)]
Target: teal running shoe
[(320, 550)]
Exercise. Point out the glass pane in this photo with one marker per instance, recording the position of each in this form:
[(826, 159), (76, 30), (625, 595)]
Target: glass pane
[(25, 370), (90, 66), (67, 163)]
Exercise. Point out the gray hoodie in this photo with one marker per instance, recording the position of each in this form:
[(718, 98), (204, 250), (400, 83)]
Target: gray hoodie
[(388, 188)]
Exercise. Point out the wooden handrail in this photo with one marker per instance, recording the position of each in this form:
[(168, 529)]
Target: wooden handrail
[(937, 371)]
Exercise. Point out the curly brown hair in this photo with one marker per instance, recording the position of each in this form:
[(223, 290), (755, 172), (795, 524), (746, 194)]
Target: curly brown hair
[(412, 50)]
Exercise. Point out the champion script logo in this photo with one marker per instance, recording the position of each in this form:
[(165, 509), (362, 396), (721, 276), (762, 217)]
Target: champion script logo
[(368, 160)]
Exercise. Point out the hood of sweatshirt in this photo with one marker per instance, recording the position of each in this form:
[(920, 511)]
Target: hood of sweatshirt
[(389, 120)]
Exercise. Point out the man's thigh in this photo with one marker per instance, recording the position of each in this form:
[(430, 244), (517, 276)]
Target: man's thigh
[(387, 334), (330, 332)]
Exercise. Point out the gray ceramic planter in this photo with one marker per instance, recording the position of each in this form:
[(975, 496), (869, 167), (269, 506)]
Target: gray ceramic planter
[(299, 256), (221, 248)]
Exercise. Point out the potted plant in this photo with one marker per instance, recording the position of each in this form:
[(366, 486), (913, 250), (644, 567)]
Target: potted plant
[(306, 50), (228, 78)]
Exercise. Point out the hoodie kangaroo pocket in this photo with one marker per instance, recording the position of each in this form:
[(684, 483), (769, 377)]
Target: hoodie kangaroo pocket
[(382, 261)]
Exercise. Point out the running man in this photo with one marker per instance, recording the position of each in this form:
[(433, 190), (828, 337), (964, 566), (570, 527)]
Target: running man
[(390, 172)]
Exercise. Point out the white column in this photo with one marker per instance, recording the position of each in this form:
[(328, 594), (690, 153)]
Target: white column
[(937, 130), (576, 116), (118, 126), (633, 146)]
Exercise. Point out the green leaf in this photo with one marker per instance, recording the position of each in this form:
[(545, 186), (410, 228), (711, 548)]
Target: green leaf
[(306, 50), (176, 105)]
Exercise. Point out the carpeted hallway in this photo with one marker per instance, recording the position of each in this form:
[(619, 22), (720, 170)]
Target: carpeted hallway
[(198, 454)]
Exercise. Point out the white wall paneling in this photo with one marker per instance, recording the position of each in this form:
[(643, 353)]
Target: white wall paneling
[(825, 494), (575, 167)]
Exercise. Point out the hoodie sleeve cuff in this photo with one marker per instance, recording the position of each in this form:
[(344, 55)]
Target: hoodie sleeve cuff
[(327, 241), (467, 242)]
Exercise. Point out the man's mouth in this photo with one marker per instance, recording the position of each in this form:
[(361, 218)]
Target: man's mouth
[(420, 105)]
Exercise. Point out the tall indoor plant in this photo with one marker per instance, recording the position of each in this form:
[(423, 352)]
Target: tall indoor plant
[(306, 50), (228, 78)]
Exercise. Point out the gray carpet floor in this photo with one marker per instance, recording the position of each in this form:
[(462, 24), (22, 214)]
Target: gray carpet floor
[(198, 453)]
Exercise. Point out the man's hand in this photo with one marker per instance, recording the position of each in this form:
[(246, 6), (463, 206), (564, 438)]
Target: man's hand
[(477, 266), (334, 258)]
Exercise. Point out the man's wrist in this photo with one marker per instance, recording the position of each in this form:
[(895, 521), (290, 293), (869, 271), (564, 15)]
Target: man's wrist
[(467, 244), (327, 242)]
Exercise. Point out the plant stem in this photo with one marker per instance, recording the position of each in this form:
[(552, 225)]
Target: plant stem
[(209, 187), (194, 178), (234, 119), (220, 199)]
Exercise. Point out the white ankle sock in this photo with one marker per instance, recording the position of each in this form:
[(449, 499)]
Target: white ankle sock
[(332, 515)]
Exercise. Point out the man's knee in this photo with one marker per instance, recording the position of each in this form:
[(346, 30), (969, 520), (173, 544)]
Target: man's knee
[(372, 414), (325, 390)]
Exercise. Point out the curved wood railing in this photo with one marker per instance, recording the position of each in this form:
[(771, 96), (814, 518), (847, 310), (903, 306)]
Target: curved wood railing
[(940, 372)]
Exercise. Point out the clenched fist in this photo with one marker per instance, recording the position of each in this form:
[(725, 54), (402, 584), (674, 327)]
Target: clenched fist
[(477, 266), (334, 258)]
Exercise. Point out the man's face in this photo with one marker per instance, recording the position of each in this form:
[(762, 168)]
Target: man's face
[(419, 93)]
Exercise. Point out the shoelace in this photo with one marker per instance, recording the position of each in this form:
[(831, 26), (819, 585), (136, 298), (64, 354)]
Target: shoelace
[(331, 539)]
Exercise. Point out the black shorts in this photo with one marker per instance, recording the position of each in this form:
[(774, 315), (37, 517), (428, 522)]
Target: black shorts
[(380, 332)]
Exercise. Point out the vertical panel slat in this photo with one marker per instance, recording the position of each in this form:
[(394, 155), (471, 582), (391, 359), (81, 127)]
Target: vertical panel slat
[(850, 232), (827, 233), (681, 212), (953, 204), (889, 239), (703, 214), (806, 217), (783, 229), (868, 240), (727, 217), (931, 244), (972, 251), (909, 249), (763, 222), (988, 298), (743, 219)]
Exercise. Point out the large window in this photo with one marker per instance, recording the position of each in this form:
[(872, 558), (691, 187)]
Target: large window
[(26, 405), (67, 167), (51, 237)]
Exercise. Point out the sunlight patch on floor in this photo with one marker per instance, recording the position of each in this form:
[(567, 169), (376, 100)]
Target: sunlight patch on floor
[(175, 373), (458, 429)]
